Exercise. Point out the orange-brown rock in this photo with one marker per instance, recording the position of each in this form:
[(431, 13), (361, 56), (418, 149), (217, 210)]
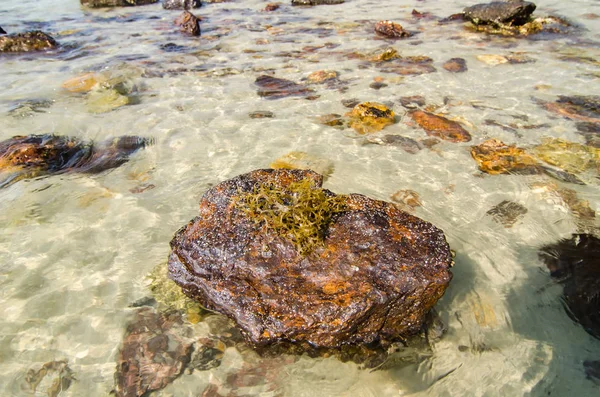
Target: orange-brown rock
[(189, 23), (368, 117), (372, 278), (391, 29), (440, 127), (495, 157), (455, 65), (31, 156), (576, 107)]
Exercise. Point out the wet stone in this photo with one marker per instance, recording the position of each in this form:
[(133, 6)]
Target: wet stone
[(315, 2), (115, 3), (304, 161), (592, 370), (275, 88), (507, 213), (156, 349), (24, 157), (440, 127), (2, 31), (495, 157), (411, 102), (391, 29), (181, 4), (577, 107), (571, 157), (322, 76), (350, 103), (30, 107), (369, 117), (407, 200), (208, 354), (500, 13), (409, 66), (591, 133), (407, 144), (575, 263), (261, 114), (27, 42), (456, 65), (239, 259), (188, 23), (332, 120)]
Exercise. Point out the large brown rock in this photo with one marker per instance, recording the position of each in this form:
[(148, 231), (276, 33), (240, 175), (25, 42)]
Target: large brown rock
[(372, 277), (440, 127)]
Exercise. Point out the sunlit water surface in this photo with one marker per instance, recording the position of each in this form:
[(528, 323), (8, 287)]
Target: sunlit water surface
[(75, 249)]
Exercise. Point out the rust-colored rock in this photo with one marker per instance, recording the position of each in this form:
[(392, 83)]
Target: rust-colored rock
[(495, 157), (575, 263), (189, 23), (155, 351), (368, 117), (372, 278), (31, 156), (275, 88), (584, 108), (27, 42), (440, 127), (391, 29), (272, 7), (456, 65)]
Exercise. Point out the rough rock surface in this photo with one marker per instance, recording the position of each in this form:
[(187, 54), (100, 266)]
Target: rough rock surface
[(575, 263), (275, 88), (155, 351), (391, 30), (376, 274), (440, 127), (369, 117), (495, 157), (181, 4), (500, 13), (188, 23), (31, 156), (26, 42)]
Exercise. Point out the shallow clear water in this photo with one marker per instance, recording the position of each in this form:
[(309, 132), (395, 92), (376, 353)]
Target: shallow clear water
[(75, 249)]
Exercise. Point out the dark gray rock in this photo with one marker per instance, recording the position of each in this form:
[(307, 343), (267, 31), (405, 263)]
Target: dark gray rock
[(500, 13), (2, 31), (181, 4)]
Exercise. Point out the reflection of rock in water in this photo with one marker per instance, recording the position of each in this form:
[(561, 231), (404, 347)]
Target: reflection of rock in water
[(24, 157), (575, 263)]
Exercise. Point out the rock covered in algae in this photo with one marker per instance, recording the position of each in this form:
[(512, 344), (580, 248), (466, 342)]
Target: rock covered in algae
[(368, 117), (31, 156), (570, 156), (156, 349), (391, 30), (27, 42), (500, 13), (292, 262), (495, 157), (275, 88), (575, 263), (440, 127)]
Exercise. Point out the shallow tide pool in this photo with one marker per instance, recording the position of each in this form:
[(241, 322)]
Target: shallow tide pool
[(76, 249)]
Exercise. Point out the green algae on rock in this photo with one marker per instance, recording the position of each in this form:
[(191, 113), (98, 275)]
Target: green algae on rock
[(369, 117), (370, 276)]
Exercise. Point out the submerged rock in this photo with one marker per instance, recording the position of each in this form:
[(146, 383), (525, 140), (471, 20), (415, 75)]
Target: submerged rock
[(115, 3), (409, 66), (2, 31), (368, 117), (440, 127), (188, 23), (495, 157), (592, 370), (304, 161), (407, 200), (275, 88), (272, 7), (27, 42), (500, 13), (54, 376), (24, 157), (575, 263), (507, 213), (315, 2), (456, 65), (569, 156), (181, 4), (391, 30), (576, 107), (291, 262), (155, 351)]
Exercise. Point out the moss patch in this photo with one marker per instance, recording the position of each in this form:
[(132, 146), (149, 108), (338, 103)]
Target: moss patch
[(300, 211)]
